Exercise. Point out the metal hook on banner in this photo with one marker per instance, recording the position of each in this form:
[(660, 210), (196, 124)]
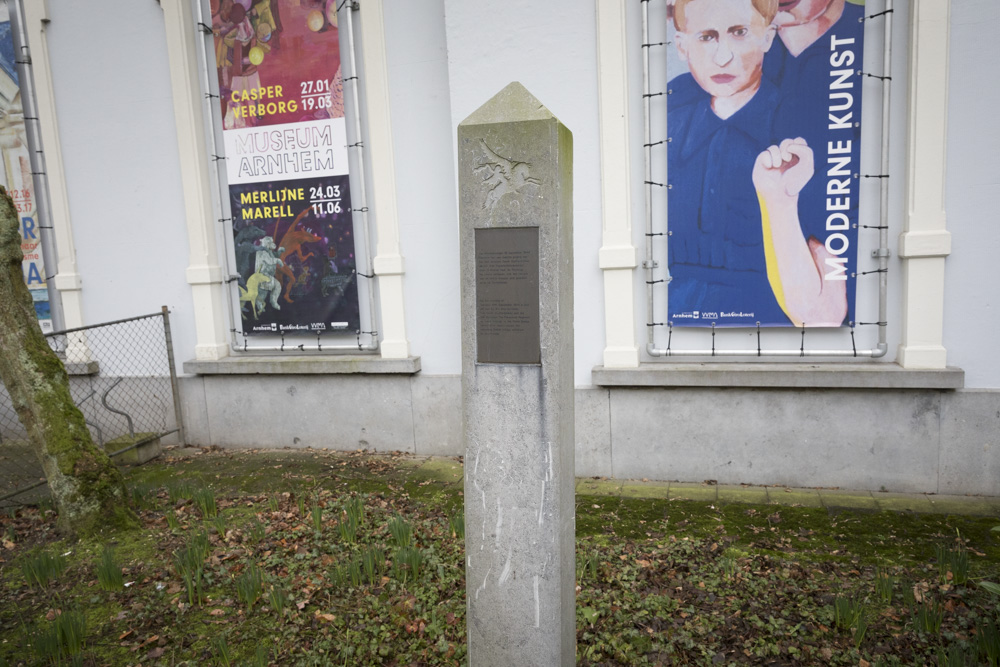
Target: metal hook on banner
[(874, 76), (874, 16)]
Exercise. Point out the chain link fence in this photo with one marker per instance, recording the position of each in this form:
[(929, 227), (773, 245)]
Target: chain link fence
[(123, 379)]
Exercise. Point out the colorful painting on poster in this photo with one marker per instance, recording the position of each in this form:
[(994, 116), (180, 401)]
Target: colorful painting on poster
[(295, 256), (282, 107), (16, 174), (763, 162)]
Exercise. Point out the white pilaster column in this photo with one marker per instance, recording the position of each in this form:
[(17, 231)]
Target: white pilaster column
[(388, 261), (67, 279), (618, 255), (925, 241), (204, 272)]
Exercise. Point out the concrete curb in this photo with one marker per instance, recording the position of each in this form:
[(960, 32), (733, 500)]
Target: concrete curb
[(922, 503)]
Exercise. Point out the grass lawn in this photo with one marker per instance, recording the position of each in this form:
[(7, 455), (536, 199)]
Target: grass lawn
[(323, 558)]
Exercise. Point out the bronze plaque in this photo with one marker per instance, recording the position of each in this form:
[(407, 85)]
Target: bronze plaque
[(507, 296)]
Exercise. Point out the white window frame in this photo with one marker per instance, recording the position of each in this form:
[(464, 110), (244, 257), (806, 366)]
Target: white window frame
[(205, 272), (923, 245)]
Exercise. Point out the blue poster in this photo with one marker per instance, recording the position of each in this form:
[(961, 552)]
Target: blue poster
[(763, 159)]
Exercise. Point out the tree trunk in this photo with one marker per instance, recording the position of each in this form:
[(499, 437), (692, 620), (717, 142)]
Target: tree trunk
[(88, 489)]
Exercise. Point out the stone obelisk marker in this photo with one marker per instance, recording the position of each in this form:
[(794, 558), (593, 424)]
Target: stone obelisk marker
[(516, 189)]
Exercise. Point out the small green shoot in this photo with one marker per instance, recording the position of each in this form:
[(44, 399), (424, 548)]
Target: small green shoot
[(261, 658), (349, 524), (851, 614), (42, 567), (885, 586), (278, 597), (316, 514), (988, 640), (728, 566), (249, 586), (401, 531), (219, 523), (189, 563), (927, 617), (954, 656), (456, 522), (587, 567), (204, 500), (953, 564), (356, 510), (221, 652), (62, 639), (181, 491), (407, 563), (142, 495), (256, 531), (354, 573), (109, 572), (371, 561)]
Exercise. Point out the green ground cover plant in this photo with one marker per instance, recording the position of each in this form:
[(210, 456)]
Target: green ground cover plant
[(312, 558)]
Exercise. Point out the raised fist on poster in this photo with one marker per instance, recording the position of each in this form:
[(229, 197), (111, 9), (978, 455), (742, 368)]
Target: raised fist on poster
[(783, 170)]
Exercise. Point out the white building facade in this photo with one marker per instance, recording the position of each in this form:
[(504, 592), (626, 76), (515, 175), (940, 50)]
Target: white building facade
[(131, 174)]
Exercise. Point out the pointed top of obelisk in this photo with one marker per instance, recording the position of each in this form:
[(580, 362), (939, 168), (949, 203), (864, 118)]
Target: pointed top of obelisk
[(512, 104)]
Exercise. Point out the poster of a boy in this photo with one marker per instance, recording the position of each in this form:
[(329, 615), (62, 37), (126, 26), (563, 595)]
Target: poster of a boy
[(737, 252)]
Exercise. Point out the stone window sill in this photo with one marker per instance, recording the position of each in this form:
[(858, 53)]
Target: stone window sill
[(771, 375), (304, 365)]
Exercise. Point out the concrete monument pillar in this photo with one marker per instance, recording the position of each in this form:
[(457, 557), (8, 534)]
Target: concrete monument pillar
[(516, 213)]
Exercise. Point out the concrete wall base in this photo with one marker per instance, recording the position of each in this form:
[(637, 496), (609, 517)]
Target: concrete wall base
[(907, 440)]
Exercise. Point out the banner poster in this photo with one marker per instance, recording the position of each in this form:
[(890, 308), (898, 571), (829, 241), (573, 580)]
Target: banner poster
[(282, 104), (764, 128), (16, 174)]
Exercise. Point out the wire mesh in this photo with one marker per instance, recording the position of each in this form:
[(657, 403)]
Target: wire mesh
[(120, 376)]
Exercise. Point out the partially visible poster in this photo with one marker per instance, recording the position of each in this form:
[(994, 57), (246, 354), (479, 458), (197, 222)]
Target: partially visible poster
[(16, 173), (282, 105), (764, 121)]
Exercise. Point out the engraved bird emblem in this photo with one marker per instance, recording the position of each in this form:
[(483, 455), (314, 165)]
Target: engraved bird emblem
[(502, 175)]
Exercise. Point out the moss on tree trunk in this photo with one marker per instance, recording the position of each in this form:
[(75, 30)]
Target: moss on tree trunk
[(88, 489)]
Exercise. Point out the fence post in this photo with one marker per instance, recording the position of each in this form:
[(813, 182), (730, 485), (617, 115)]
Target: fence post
[(174, 388)]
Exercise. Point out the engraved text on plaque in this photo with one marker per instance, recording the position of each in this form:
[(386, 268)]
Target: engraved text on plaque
[(507, 296)]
